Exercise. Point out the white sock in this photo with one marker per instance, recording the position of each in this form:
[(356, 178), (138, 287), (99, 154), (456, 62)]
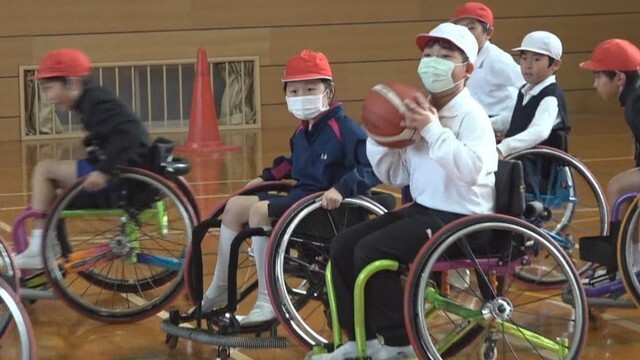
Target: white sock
[(35, 242), (219, 283), (260, 244), (387, 352)]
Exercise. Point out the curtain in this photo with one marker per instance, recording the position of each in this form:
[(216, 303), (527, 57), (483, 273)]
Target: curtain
[(238, 106), (40, 116)]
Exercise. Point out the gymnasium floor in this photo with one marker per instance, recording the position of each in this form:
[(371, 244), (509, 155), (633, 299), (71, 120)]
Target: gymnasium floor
[(601, 142)]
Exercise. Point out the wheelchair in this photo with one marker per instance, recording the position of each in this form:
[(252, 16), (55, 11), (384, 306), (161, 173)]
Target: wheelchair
[(572, 203), (296, 259), (488, 316), (116, 255), (16, 333)]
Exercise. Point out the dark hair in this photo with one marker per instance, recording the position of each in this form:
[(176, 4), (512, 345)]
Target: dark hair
[(630, 76), (327, 84), (551, 61), (447, 45)]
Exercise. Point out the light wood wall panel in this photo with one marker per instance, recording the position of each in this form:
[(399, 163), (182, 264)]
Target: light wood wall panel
[(367, 41), (38, 17), (10, 98), (42, 17), (161, 46)]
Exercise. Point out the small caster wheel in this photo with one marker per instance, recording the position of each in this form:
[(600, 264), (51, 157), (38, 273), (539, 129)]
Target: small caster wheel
[(171, 341), (223, 353)]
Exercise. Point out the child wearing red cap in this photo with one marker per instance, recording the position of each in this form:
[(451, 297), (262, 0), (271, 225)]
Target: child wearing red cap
[(327, 154), (540, 115), (64, 77), (616, 64), (450, 169), (496, 77)]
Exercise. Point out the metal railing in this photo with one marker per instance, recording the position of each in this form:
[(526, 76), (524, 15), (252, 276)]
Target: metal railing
[(159, 92)]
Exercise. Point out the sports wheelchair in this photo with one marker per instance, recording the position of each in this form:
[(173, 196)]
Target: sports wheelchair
[(488, 315), (116, 255), (296, 259), (572, 206), (16, 333)]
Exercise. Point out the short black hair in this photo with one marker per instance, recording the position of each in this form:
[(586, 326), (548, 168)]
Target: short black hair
[(447, 45), (631, 77)]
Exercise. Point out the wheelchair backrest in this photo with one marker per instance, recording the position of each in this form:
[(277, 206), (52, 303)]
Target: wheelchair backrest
[(558, 140), (160, 153), (510, 188)]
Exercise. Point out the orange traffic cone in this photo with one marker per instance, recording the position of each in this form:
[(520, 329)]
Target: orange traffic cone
[(203, 124)]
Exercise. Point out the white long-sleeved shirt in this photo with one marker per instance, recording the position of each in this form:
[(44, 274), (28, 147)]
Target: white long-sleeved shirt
[(546, 117), (451, 166), (494, 84)]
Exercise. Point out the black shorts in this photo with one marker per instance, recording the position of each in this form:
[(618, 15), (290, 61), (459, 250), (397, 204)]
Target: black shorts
[(279, 204)]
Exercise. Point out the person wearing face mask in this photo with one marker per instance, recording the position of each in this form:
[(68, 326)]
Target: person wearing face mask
[(615, 64), (327, 154), (65, 79), (450, 170), (496, 76)]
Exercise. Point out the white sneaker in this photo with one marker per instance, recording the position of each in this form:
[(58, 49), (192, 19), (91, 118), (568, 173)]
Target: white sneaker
[(209, 304), (393, 353), (29, 259), (347, 350), (459, 278), (262, 312)]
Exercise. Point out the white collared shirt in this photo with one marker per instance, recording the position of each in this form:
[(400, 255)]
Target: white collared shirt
[(451, 166), (546, 117), (494, 83)]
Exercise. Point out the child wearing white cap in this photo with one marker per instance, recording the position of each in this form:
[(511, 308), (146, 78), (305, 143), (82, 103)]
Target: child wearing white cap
[(540, 114), (450, 169)]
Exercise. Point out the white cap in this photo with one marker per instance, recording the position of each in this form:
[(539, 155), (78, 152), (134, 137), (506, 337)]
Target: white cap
[(542, 42), (457, 34)]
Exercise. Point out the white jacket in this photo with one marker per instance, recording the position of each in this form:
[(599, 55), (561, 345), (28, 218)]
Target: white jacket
[(451, 167)]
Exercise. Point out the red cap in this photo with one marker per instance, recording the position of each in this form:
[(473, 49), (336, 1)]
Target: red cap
[(64, 63), (475, 10), (307, 65), (614, 54)]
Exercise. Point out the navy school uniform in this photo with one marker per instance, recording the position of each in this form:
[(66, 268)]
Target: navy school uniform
[(332, 153)]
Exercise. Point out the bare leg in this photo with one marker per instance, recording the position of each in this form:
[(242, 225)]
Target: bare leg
[(48, 176), (623, 183)]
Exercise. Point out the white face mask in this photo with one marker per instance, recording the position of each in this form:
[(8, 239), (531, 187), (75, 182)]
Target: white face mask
[(436, 74), (306, 107)]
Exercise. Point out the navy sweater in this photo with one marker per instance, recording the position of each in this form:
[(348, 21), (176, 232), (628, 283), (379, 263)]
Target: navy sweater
[(330, 154)]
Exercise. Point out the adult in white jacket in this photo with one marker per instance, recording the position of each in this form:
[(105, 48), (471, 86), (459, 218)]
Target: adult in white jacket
[(450, 170)]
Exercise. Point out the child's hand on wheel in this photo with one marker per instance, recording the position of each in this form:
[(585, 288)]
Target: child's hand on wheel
[(331, 199)]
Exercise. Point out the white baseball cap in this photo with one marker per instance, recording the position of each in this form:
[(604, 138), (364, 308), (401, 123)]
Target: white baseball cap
[(542, 42), (457, 34)]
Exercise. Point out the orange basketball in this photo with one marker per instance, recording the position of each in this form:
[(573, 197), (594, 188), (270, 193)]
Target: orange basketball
[(381, 114)]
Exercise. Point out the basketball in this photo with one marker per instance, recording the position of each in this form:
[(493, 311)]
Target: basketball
[(382, 113)]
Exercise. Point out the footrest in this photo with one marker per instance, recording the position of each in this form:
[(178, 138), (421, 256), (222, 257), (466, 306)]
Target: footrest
[(600, 250)]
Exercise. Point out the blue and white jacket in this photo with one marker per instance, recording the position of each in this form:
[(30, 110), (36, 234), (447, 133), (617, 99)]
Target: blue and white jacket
[(330, 154)]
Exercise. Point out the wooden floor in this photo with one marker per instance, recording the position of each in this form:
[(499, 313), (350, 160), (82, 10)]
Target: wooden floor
[(603, 143)]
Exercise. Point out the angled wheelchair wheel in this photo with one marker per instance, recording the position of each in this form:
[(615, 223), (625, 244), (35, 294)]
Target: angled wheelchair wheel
[(117, 255), (489, 315), (573, 207), (9, 274), (247, 278), (297, 256), (628, 252), (18, 341)]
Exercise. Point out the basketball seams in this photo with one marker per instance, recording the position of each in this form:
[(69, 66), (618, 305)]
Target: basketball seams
[(391, 96)]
